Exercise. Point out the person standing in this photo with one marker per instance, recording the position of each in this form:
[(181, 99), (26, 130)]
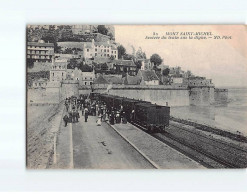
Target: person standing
[(86, 114), (99, 120), (124, 119), (65, 119)]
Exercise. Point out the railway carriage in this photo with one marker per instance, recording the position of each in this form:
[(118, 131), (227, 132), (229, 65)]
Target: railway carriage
[(128, 106), (94, 96), (151, 116), (108, 100), (118, 101)]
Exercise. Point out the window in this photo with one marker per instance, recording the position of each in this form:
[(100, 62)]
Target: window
[(62, 74), (104, 50), (95, 54), (59, 67), (95, 49), (87, 50), (85, 83), (53, 74), (107, 50), (85, 78), (91, 83)]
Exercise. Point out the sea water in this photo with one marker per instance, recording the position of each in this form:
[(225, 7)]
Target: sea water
[(231, 116)]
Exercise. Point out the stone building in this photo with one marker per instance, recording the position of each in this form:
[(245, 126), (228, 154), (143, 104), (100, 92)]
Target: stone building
[(146, 64), (84, 78), (58, 71), (199, 82), (99, 49), (40, 83), (121, 66), (40, 51), (84, 29), (100, 82), (148, 77)]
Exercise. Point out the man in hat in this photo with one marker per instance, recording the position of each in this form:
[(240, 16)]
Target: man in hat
[(65, 119)]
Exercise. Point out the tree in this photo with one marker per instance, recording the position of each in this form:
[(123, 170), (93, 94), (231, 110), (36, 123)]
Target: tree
[(112, 57), (156, 59), (129, 57), (140, 54), (73, 63), (57, 49), (85, 68), (30, 62), (138, 64), (121, 51), (165, 72), (111, 36), (102, 29)]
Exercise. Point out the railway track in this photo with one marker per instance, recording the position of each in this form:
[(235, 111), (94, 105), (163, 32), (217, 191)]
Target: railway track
[(224, 151), (218, 155), (199, 133)]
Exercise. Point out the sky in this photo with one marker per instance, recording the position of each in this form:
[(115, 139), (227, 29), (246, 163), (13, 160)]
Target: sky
[(222, 60)]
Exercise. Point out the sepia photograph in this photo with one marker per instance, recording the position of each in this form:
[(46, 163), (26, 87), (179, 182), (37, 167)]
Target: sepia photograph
[(136, 96)]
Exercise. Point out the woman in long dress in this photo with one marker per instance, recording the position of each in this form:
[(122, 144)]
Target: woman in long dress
[(99, 120)]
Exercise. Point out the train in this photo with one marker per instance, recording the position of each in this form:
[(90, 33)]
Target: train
[(152, 117)]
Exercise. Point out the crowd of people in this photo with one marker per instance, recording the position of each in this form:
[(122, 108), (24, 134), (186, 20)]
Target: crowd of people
[(89, 107)]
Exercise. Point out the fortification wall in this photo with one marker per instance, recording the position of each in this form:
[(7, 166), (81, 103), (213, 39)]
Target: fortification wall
[(43, 96), (175, 96), (201, 96), (155, 94), (85, 90), (220, 95), (69, 88)]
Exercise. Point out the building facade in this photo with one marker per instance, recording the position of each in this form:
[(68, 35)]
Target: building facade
[(127, 66), (146, 64), (84, 78), (40, 51), (99, 49), (58, 71), (40, 83), (148, 77)]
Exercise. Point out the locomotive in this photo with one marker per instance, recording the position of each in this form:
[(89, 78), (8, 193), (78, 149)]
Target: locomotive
[(152, 117)]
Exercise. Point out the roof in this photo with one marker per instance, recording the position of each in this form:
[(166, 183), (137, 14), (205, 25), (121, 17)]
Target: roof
[(100, 80), (41, 80), (124, 63), (53, 84), (113, 79), (132, 80), (40, 44), (101, 60), (70, 44), (149, 75)]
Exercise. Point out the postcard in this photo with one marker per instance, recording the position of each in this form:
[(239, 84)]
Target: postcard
[(136, 96)]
